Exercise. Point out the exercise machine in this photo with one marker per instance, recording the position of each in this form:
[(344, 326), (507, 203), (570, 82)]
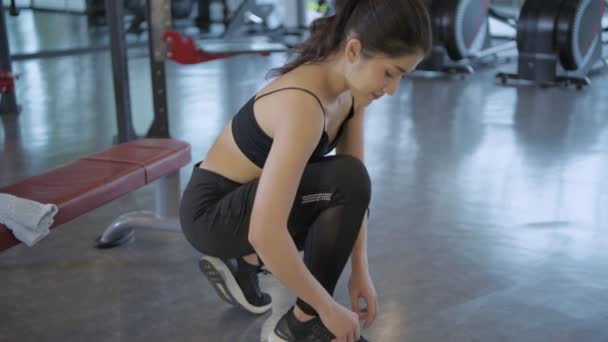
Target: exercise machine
[(268, 19), (165, 44), (96, 12), (461, 37), (187, 49), (559, 43)]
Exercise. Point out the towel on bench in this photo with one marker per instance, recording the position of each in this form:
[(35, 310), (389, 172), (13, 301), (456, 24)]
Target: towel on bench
[(28, 220)]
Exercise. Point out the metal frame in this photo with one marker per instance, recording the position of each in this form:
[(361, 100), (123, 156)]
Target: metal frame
[(8, 100), (235, 22), (120, 68), (167, 191), (12, 9), (34, 6), (68, 52), (165, 217), (159, 22)]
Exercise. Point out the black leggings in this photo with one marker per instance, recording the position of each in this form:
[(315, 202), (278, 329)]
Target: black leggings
[(324, 221)]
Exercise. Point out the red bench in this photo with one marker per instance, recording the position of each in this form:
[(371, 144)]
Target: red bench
[(92, 181)]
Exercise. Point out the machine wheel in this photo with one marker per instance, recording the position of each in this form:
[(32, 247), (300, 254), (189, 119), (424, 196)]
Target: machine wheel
[(578, 31), (466, 27)]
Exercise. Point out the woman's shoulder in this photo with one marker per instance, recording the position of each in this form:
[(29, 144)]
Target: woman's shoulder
[(290, 104), (290, 92)]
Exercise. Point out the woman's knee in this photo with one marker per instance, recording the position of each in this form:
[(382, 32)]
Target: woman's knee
[(354, 179)]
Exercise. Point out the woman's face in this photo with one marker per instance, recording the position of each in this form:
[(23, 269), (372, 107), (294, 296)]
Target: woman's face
[(370, 78)]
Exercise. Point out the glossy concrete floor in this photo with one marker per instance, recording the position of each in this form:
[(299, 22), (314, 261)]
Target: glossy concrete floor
[(489, 218)]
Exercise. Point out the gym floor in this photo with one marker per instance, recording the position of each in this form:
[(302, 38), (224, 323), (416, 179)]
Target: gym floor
[(488, 212)]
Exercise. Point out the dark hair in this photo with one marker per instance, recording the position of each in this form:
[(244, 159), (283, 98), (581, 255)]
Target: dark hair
[(391, 27)]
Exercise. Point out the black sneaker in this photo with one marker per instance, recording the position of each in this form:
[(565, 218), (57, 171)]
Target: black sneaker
[(236, 282), (289, 329)]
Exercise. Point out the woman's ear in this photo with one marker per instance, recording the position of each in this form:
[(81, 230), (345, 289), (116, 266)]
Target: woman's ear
[(353, 50)]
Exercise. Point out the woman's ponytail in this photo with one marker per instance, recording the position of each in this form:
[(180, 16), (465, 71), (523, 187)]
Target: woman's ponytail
[(326, 35)]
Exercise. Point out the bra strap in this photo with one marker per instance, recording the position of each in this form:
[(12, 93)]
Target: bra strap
[(302, 89)]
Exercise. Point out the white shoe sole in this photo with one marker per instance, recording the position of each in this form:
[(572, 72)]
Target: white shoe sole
[(226, 286)]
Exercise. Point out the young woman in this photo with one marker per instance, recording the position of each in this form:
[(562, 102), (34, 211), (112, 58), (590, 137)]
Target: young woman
[(267, 188)]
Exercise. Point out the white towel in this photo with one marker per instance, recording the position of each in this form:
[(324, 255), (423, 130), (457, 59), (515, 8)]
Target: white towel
[(29, 220)]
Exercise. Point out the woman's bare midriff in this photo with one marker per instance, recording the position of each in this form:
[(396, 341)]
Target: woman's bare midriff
[(226, 159)]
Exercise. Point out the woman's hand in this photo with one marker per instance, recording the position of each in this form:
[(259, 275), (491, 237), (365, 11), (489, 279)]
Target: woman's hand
[(360, 286), (341, 322)]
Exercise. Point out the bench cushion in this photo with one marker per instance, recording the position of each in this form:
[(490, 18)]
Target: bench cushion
[(92, 181)]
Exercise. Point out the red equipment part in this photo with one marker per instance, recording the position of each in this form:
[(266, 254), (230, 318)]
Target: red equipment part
[(182, 49), (7, 81)]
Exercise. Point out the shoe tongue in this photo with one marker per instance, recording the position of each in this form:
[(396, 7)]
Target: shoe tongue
[(247, 266)]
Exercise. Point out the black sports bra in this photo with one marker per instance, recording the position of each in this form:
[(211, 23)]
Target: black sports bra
[(255, 143)]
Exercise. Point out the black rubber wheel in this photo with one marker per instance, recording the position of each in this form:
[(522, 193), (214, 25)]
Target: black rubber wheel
[(465, 22), (577, 26)]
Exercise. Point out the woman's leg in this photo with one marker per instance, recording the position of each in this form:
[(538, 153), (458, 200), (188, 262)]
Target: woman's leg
[(330, 237), (212, 211), (326, 216)]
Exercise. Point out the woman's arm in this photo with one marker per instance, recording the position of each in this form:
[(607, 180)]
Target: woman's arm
[(352, 143), (296, 133)]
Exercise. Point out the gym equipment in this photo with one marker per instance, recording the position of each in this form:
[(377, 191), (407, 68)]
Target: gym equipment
[(8, 102), (461, 37), (249, 17), (559, 42), (57, 6), (12, 9), (7, 82), (180, 9), (53, 53), (256, 18), (115, 14), (238, 37), (506, 11), (184, 49), (68, 52), (110, 174), (162, 44)]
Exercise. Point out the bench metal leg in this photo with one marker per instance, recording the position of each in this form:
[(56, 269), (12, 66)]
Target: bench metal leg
[(167, 197)]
